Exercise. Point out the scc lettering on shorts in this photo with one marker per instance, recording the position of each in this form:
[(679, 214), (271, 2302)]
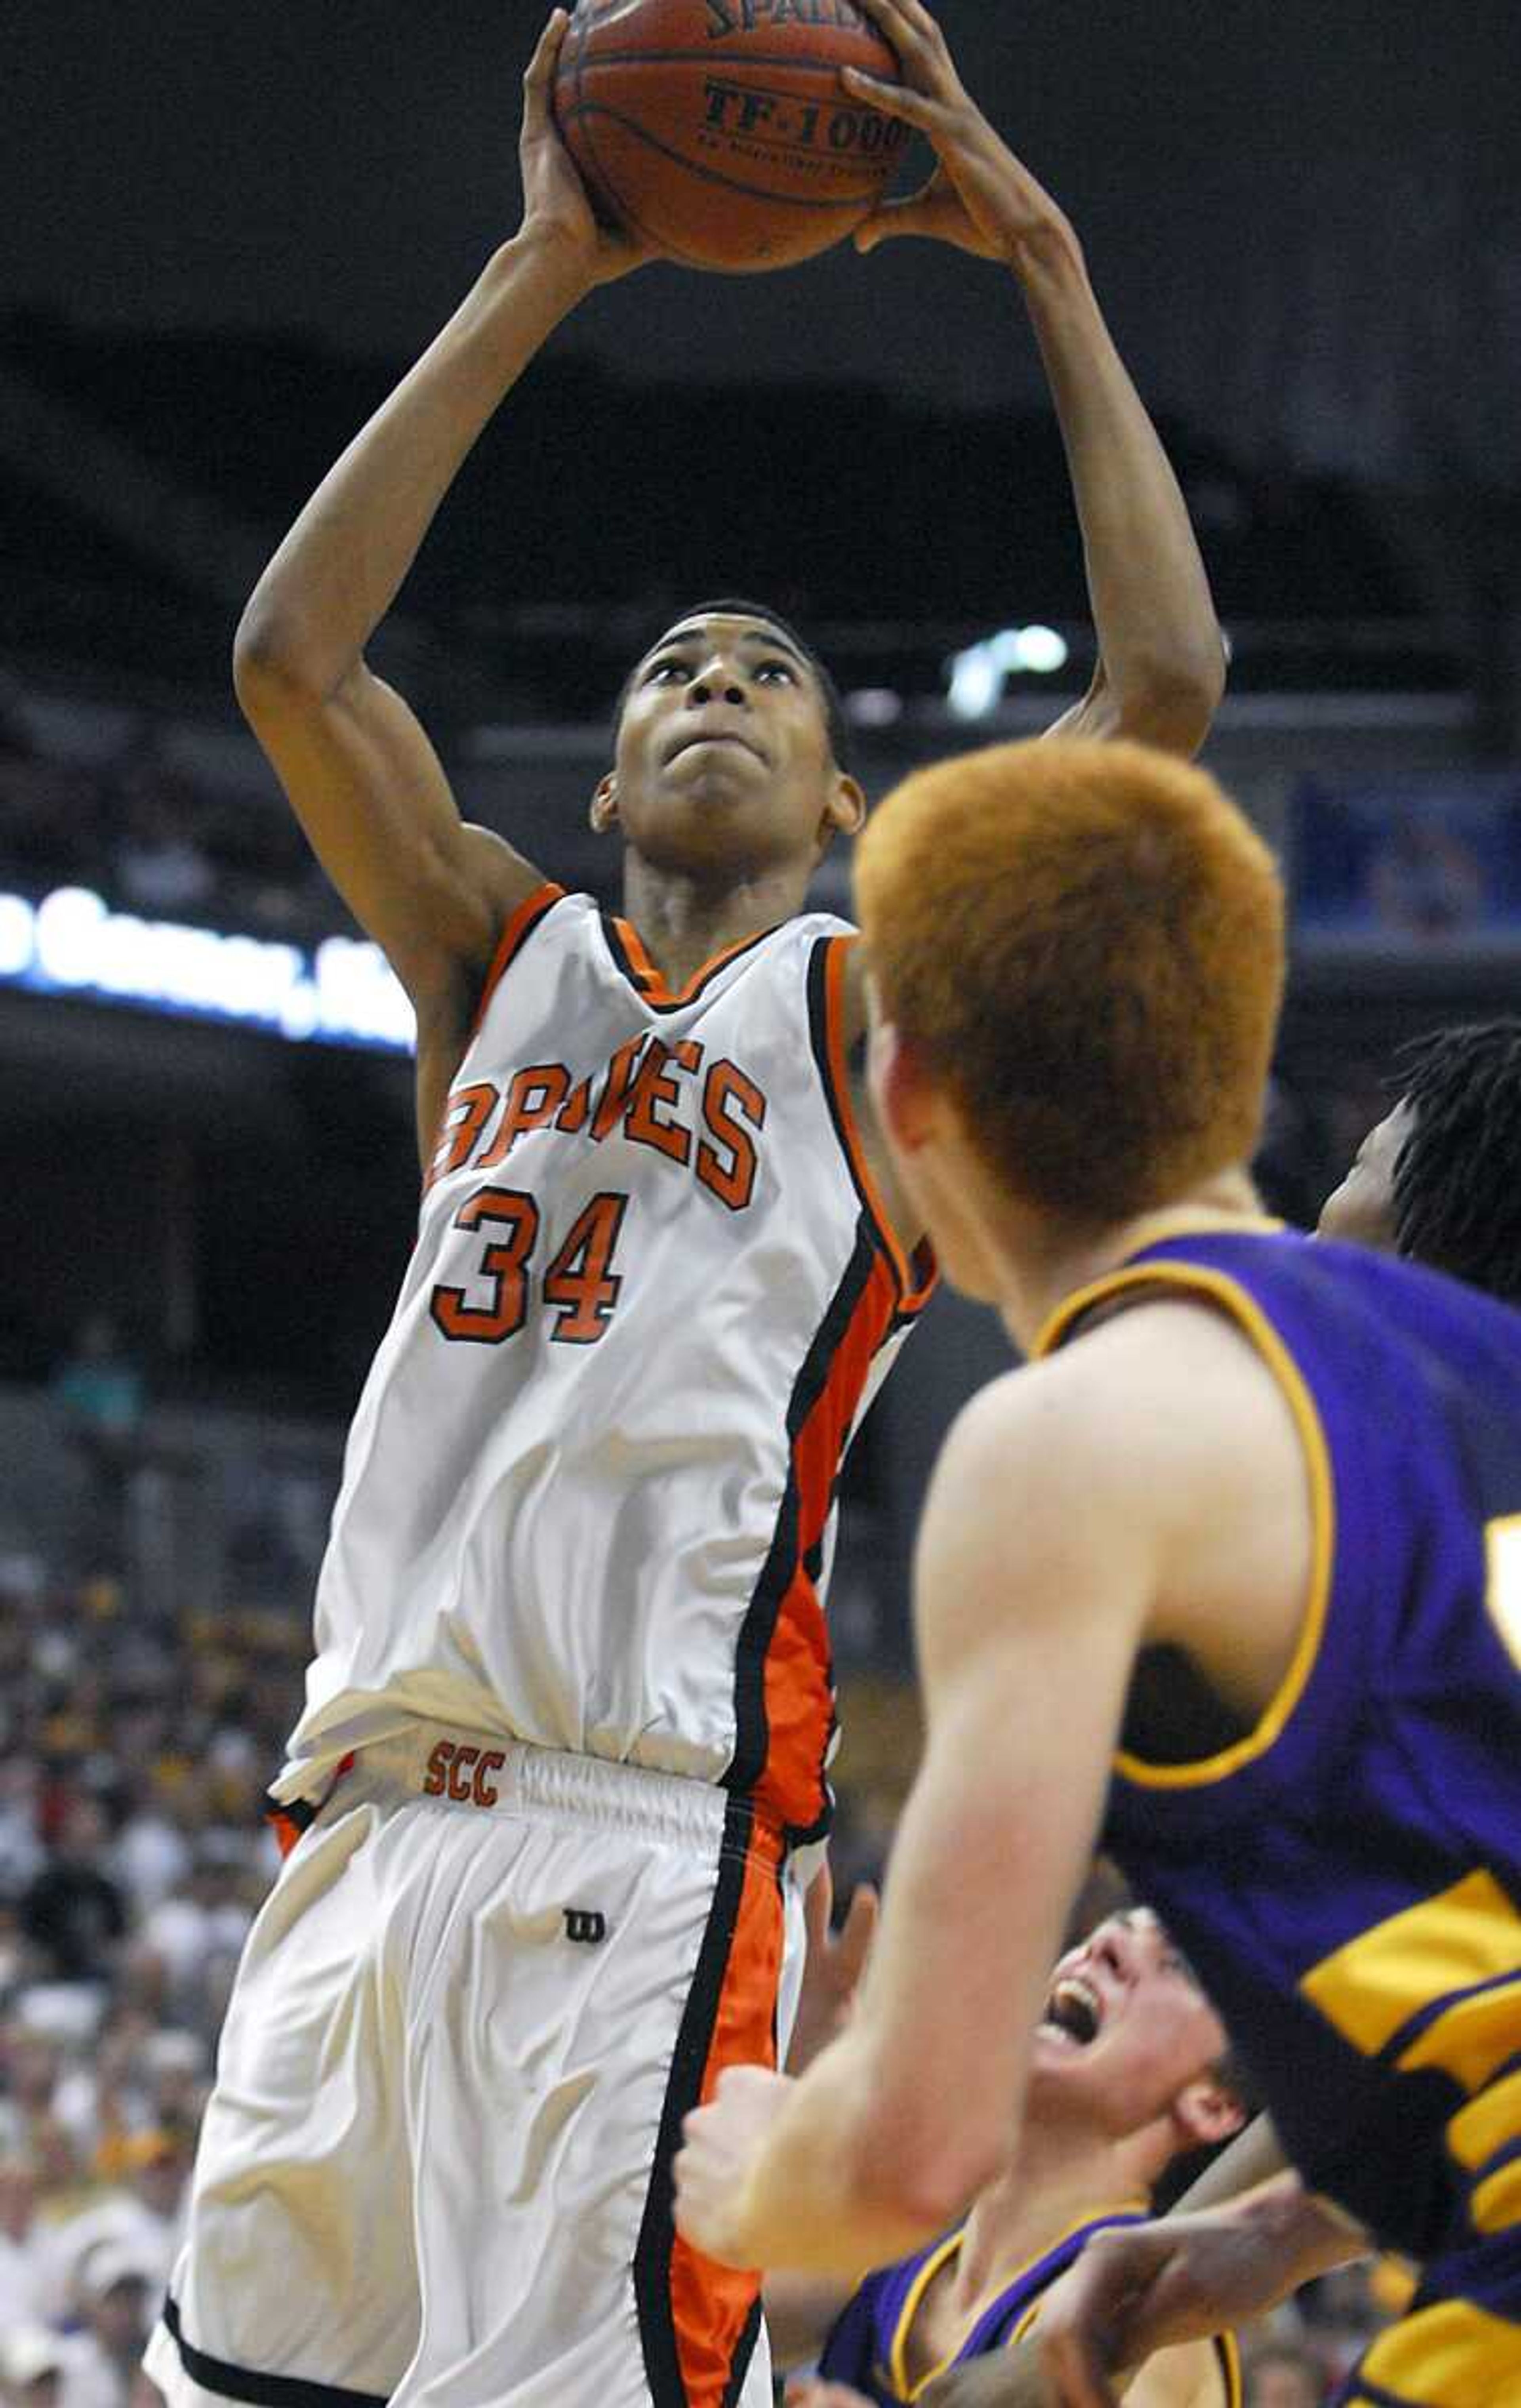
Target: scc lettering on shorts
[(464, 1773)]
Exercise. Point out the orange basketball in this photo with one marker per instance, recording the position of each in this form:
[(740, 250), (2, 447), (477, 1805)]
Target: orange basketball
[(720, 130)]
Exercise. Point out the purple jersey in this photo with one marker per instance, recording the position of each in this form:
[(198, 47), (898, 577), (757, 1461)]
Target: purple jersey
[(1346, 1875), (867, 2347)]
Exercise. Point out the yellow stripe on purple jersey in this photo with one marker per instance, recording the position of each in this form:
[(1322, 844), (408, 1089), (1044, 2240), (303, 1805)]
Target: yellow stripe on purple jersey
[(1346, 1875), (867, 2347)]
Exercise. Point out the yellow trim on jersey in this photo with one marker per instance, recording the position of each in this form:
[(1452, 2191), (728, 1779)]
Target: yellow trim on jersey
[(1227, 2349), (1370, 1986), (1502, 1582), (1230, 2367), (1218, 1287), (1496, 2203), (898, 2366), (1486, 2123), (1471, 2039), (1451, 2355), (898, 2354)]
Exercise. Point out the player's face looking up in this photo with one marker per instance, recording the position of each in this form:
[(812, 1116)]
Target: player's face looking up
[(1126, 2028), (1361, 1209), (724, 767)]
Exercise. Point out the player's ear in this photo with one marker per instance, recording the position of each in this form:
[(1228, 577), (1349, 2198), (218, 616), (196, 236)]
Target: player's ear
[(604, 811), (845, 812), (900, 1088), (1206, 2113)]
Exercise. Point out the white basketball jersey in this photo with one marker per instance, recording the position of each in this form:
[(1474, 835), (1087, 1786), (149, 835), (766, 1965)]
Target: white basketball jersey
[(589, 1492)]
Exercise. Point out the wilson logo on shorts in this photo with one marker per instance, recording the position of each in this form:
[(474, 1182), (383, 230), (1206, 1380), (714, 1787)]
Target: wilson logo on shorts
[(586, 1924)]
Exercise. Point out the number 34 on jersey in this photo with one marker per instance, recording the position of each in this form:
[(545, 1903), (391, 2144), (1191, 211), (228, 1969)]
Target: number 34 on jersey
[(705, 1117)]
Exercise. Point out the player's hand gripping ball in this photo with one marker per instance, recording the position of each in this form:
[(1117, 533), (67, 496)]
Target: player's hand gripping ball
[(719, 130)]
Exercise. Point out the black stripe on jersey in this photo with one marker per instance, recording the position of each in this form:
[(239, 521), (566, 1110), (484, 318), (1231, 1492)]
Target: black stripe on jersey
[(643, 984), (261, 2390), (684, 2091), (804, 1835), (818, 1030), (752, 1735), (745, 2352), (619, 951)]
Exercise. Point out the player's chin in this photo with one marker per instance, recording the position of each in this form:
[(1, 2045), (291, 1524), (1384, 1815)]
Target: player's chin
[(1056, 2060), (714, 774)]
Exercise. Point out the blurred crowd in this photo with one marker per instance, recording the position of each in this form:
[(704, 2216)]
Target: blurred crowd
[(116, 807), (133, 1859), (134, 1752)]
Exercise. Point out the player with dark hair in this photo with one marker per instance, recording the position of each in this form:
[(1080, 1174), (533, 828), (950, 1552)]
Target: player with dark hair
[(563, 1757), (1439, 1178), (1239, 1550)]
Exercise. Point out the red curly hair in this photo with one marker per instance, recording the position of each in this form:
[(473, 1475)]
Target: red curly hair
[(1085, 942)]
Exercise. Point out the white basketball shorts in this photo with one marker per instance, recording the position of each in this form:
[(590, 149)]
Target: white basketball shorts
[(435, 2171)]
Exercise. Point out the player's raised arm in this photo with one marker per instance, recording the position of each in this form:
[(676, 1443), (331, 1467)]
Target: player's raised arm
[(1161, 658), (359, 770)]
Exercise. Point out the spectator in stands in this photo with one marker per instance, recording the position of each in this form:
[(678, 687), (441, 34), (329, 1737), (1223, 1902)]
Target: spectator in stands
[(139, 2218), (72, 1911), (24, 2273), (206, 1915), (32, 2364), (31, 2061), (100, 1386), (117, 2294)]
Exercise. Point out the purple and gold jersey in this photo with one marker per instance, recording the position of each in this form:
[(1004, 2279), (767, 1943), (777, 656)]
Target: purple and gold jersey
[(1346, 1875), (868, 2345)]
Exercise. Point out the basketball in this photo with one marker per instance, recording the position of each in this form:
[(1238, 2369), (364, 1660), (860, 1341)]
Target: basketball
[(719, 129)]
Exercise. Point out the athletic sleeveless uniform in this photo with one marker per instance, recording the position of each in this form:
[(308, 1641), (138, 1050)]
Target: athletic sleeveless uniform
[(1346, 1877), (869, 2346), (570, 1709)]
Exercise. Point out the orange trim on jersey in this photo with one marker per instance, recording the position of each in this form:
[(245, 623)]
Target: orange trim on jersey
[(797, 1685), (519, 928), (291, 1823), (712, 2304), (651, 982), (916, 1279)]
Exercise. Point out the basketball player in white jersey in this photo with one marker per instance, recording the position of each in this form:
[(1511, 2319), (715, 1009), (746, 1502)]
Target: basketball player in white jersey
[(564, 1738)]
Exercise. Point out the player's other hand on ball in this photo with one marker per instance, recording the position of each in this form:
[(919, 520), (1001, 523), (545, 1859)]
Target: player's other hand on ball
[(980, 198), (719, 2144), (555, 209)]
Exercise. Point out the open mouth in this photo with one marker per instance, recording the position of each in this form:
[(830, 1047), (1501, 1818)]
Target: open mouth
[(1074, 2012)]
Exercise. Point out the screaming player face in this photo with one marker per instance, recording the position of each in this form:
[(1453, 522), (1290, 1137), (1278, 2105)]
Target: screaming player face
[(1362, 1207), (724, 769), (1127, 2028)]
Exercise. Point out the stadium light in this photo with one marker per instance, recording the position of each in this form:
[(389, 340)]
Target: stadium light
[(72, 942), (977, 676)]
